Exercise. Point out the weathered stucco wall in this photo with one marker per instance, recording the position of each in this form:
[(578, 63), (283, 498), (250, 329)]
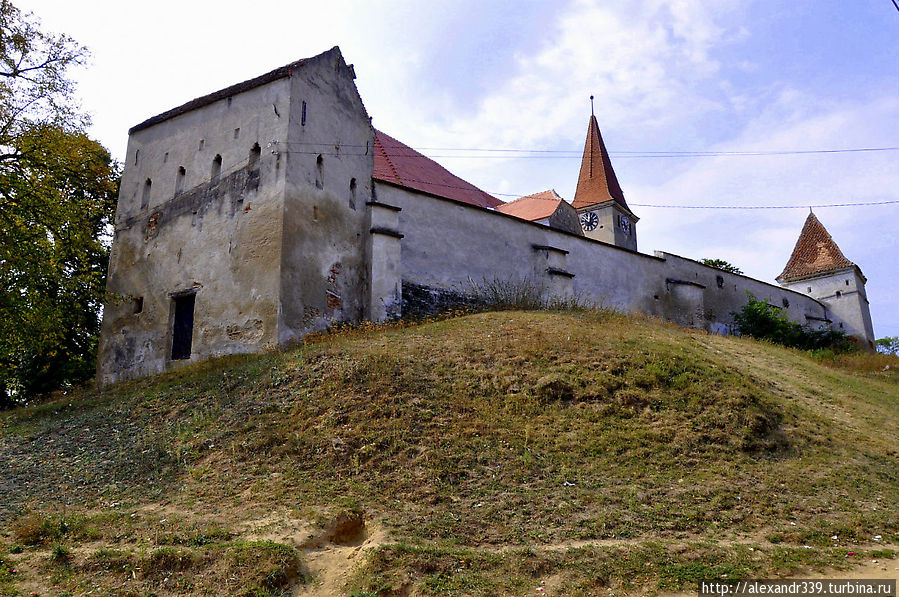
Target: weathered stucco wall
[(565, 218), (843, 292), (487, 246), (219, 238), (329, 157)]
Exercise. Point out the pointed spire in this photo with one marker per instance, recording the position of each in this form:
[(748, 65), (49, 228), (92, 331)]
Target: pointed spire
[(815, 253), (597, 182)]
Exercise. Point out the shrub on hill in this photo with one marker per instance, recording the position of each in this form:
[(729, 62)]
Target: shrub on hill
[(767, 322)]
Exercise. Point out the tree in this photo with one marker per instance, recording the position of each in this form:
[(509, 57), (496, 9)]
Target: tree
[(764, 321), (57, 199), (722, 265), (888, 345)]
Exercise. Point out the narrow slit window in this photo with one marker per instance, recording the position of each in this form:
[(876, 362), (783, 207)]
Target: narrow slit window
[(145, 194), (202, 144), (237, 133), (179, 180), (138, 304), (183, 326), (320, 172), (255, 153), (303, 117), (136, 156), (353, 193), (216, 168)]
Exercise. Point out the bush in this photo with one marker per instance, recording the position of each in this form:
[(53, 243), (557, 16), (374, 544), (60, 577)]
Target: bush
[(766, 322)]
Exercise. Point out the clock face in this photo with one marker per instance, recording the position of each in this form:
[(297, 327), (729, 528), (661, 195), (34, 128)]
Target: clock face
[(589, 221), (625, 225)]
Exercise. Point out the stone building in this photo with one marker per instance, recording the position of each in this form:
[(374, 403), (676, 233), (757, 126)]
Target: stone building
[(818, 268), (254, 215)]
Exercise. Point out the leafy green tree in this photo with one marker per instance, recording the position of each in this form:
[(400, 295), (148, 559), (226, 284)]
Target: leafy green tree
[(722, 265), (57, 199), (888, 345), (766, 322)]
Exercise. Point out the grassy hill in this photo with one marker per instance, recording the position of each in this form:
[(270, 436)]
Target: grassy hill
[(496, 453)]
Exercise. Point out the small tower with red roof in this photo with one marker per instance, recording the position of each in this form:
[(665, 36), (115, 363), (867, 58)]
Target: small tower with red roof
[(599, 200), (819, 269)]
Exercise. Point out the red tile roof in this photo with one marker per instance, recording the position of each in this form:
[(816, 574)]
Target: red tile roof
[(597, 182), (533, 207), (401, 165), (815, 253)]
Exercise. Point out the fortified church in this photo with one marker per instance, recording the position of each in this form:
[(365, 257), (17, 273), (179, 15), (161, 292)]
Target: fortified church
[(254, 215)]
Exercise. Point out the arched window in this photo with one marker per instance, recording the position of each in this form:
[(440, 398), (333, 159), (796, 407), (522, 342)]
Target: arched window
[(145, 195), (255, 153), (216, 168), (179, 180), (320, 172)]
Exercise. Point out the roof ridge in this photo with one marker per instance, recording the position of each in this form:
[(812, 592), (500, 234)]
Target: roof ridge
[(556, 196), (203, 100)]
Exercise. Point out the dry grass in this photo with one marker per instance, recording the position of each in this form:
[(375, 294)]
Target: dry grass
[(509, 447)]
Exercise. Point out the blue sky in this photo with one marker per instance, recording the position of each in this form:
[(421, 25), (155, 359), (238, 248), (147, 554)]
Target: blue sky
[(676, 75)]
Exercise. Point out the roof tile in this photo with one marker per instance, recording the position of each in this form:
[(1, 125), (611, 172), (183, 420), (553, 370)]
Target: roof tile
[(401, 165), (533, 207), (597, 182), (815, 253)]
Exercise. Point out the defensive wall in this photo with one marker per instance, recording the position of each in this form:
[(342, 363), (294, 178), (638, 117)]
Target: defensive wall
[(477, 246)]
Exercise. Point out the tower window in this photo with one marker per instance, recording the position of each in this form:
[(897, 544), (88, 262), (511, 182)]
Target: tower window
[(786, 303), (255, 152), (145, 194), (353, 193), (183, 326), (320, 172), (179, 180), (165, 158), (719, 280), (303, 117), (237, 133), (839, 294), (216, 167), (847, 282), (809, 289), (202, 143), (138, 304), (136, 156)]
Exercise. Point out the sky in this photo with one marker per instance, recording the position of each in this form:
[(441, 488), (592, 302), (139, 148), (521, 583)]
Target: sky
[(456, 78)]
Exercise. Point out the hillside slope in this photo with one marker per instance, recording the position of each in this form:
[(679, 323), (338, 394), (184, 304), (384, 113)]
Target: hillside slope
[(495, 453)]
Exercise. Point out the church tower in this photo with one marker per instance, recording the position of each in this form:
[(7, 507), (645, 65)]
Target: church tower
[(598, 199), (819, 269)]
